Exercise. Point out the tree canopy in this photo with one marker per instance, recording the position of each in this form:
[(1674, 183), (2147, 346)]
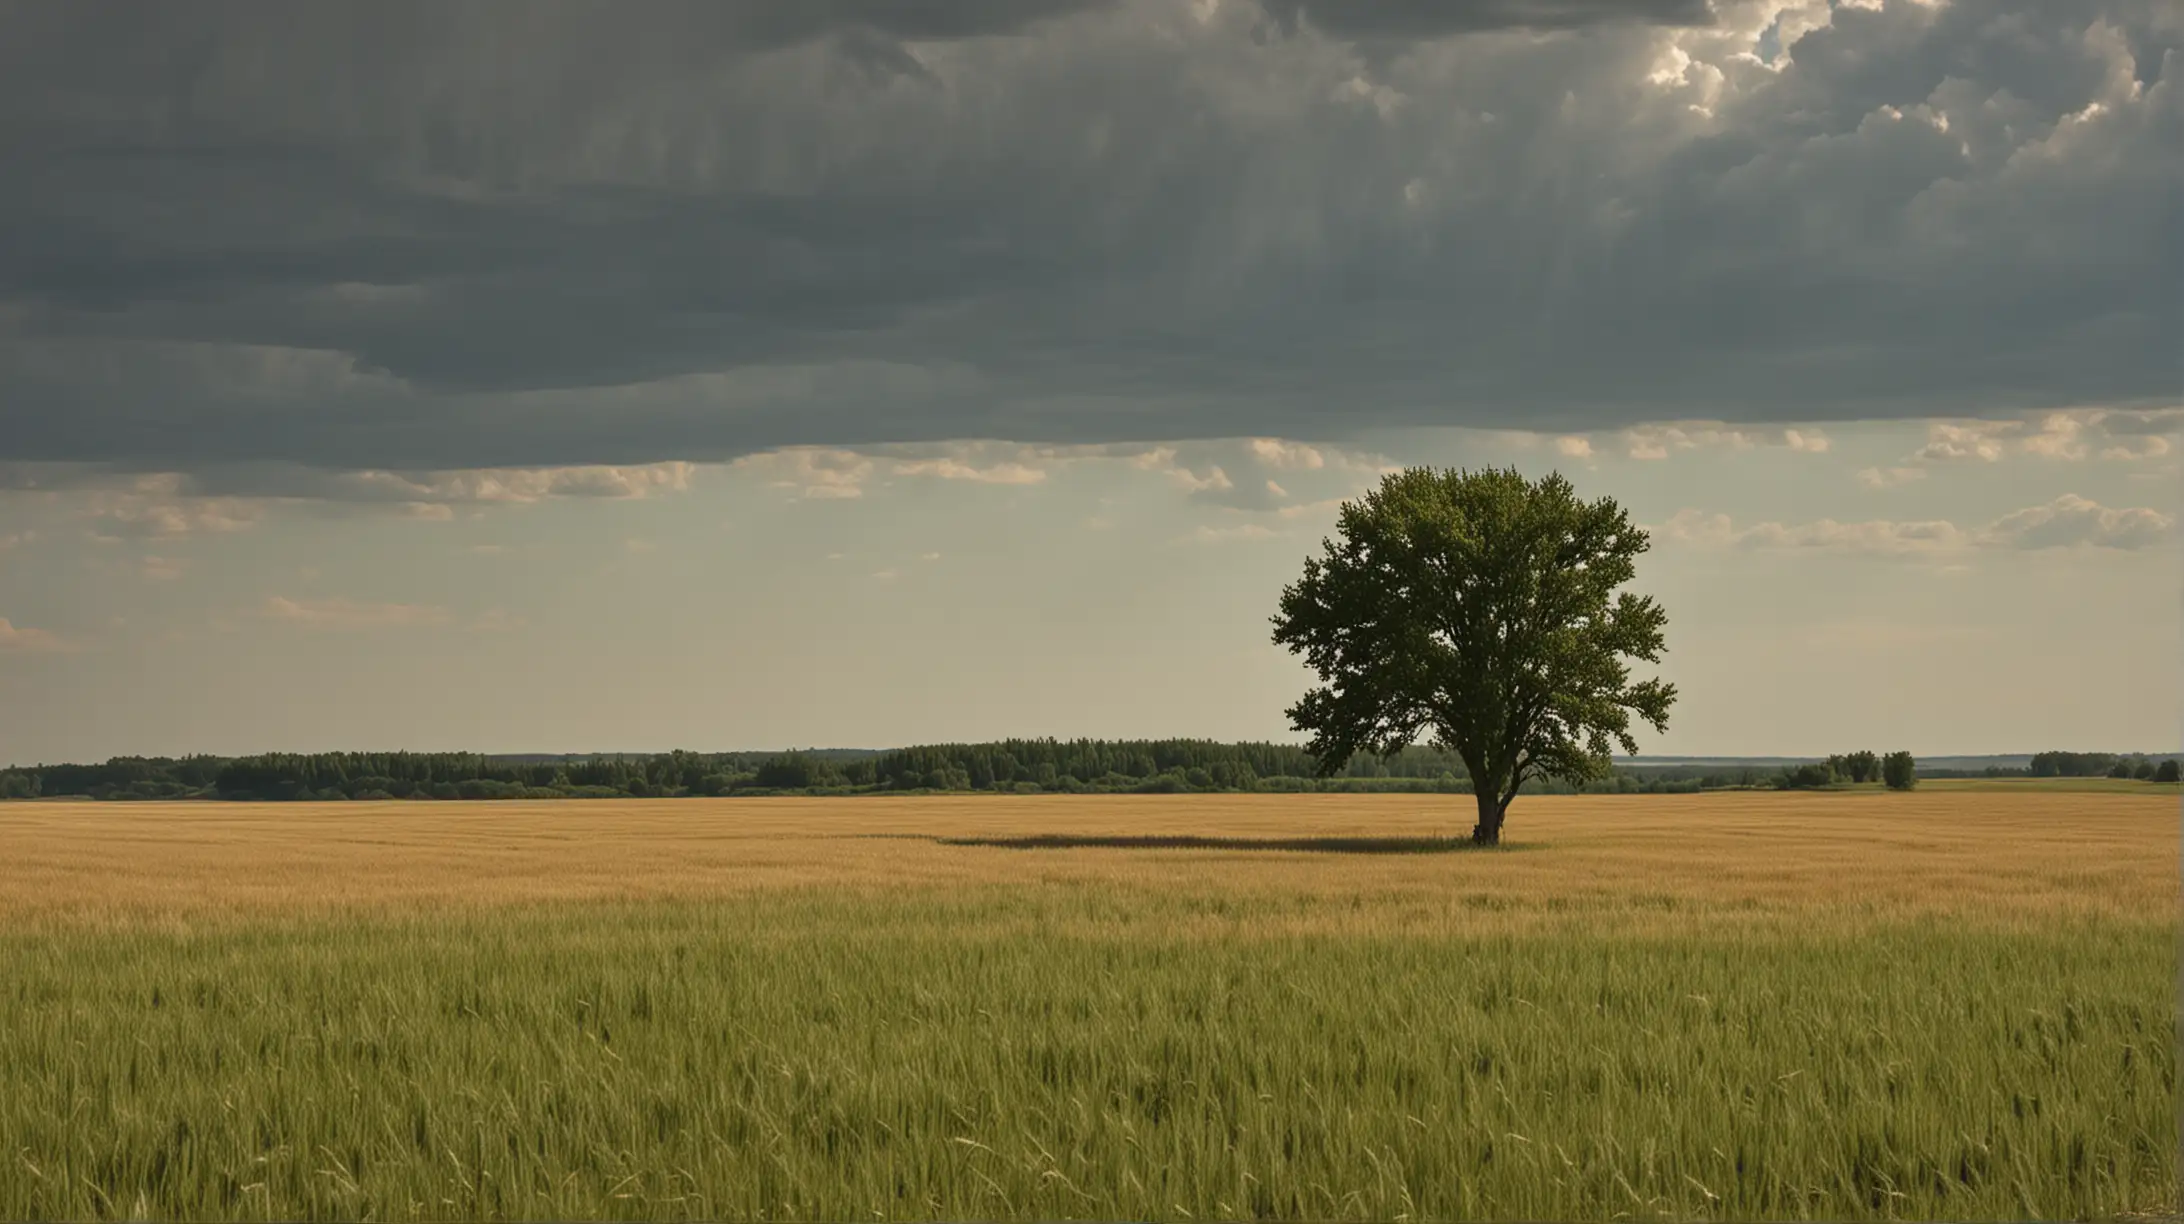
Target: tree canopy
[(1481, 608)]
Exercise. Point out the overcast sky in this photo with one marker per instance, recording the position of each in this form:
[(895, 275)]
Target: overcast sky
[(561, 377)]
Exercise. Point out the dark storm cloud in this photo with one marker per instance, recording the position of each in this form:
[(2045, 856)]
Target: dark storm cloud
[(442, 236), (1419, 19)]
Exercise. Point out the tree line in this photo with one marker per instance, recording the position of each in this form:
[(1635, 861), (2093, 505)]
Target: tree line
[(1027, 766), (2103, 765), (1022, 766)]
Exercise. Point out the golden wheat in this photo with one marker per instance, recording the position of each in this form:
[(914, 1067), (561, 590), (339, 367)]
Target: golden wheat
[(1998, 857)]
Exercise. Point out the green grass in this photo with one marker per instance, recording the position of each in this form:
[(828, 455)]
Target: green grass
[(1064, 1052)]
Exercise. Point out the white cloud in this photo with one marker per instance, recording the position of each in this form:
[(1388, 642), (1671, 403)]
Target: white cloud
[(2073, 521), (1204, 470), (1659, 441), (1222, 472), (168, 505), (22, 639), (1283, 455), (1691, 527), (815, 472), (1163, 459), (159, 505), (1574, 446), (341, 614), (1951, 441), (518, 485), (2106, 433), (1889, 478), (2060, 436), (2068, 521), (1010, 473), (2120, 434), (160, 569)]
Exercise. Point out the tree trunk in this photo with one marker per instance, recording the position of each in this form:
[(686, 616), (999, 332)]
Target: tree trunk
[(1488, 830)]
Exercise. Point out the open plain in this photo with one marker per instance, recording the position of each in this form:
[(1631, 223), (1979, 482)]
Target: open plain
[(1729, 1005)]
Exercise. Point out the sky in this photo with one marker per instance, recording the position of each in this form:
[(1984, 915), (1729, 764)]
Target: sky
[(580, 377)]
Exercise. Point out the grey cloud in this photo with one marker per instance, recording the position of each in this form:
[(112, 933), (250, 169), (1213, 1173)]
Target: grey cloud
[(415, 237), (1411, 20)]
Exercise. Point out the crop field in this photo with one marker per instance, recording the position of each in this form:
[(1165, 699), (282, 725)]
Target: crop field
[(1744, 1005), (2099, 786)]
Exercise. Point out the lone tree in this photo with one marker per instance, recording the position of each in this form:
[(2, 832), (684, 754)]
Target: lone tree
[(1900, 771), (1480, 607)]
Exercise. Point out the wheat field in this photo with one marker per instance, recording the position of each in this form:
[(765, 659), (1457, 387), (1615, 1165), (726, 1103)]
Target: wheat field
[(1735, 1006)]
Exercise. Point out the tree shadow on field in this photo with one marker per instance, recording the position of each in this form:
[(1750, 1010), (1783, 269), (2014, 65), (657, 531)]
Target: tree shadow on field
[(1309, 845)]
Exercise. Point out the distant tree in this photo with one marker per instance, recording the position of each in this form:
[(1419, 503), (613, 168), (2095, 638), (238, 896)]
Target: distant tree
[(1861, 766), (2144, 770), (1899, 771), (2167, 771), (1480, 607), (1807, 777), (2121, 769)]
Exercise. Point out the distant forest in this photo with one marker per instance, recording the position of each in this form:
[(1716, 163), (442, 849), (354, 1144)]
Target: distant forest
[(1033, 766), (1019, 766)]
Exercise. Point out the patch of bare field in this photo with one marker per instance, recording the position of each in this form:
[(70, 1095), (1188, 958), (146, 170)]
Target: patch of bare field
[(1640, 859)]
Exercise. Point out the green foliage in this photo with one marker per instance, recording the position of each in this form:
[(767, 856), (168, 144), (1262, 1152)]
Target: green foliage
[(794, 771), (1048, 1054), (1859, 767), (715, 784), (1899, 771), (1480, 608), (1807, 777), (2167, 771), (2072, 764)]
